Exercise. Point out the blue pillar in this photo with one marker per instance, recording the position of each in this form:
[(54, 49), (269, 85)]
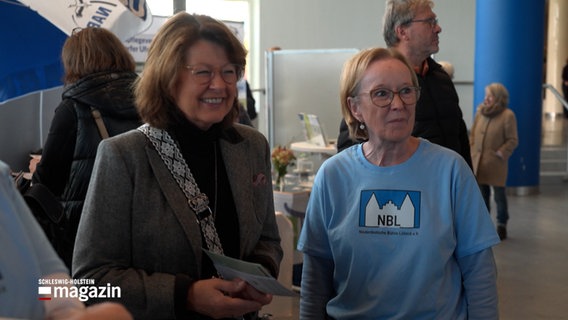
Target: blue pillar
[(509, 48)]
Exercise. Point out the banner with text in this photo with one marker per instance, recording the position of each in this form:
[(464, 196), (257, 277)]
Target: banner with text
[(124, 18)]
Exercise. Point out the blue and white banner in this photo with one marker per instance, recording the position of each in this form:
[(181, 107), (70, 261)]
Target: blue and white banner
[(125, 18), (32, 33), (30, 51)]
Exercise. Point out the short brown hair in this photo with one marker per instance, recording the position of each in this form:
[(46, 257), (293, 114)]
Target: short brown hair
[(155, 89), (92, 50), (351, 77)]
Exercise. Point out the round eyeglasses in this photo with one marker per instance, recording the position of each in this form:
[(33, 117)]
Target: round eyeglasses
[(382, 97), (202, 74)]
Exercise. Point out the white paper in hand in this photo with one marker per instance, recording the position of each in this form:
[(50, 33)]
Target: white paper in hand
[(253, 273)]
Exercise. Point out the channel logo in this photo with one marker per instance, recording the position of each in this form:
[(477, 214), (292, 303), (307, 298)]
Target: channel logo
[(43, 292), (82, 289)]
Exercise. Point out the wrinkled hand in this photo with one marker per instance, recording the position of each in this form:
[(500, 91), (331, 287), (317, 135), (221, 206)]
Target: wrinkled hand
[(218, 298)]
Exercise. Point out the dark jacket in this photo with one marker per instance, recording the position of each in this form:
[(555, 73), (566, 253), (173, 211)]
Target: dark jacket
[(439, 118), (69, 152)]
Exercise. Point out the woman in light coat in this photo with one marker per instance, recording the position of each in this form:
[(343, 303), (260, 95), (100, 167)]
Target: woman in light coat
[(493, 138)]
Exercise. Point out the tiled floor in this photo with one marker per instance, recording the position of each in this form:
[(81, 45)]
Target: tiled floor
[(533, 262)]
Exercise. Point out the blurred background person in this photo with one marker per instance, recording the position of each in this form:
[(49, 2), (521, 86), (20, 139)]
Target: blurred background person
[(448, 67), (247, 113), (35, 157), (191, 178), (251, 103), (397, 215), (411, 27), (565, 87), (26, 256), (23, 179), (493, 140), (244, 117), (99, 74)]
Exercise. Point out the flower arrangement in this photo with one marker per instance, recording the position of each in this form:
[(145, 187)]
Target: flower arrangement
[(281, 159)]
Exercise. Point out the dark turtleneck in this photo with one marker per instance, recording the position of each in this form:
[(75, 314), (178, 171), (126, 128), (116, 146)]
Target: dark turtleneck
[(201, 151)]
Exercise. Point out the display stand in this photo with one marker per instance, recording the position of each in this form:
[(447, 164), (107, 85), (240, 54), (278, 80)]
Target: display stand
[(293, 204)]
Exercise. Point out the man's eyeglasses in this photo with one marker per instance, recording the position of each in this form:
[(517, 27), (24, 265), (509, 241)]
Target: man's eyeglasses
[(203, 74), (382, 97), (433, 22)]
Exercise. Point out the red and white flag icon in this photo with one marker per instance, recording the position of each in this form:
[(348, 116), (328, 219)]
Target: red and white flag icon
[(44, 293)]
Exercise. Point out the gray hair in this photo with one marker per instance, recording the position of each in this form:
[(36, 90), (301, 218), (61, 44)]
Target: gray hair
[(398, 13)]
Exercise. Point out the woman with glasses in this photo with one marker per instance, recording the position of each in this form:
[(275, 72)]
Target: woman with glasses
[(395, 227), (412, 27), (189, 179)]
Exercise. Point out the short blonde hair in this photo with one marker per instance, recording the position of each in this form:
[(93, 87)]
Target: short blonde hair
[(350, 82)]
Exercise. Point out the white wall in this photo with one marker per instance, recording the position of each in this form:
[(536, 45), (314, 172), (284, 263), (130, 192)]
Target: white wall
[(290, 24), (332, 24), (24, 125)]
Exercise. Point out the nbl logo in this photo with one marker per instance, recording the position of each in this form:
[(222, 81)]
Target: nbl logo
[(389, 209)]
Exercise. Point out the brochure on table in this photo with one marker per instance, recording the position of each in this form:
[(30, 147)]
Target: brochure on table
[(313, 130)]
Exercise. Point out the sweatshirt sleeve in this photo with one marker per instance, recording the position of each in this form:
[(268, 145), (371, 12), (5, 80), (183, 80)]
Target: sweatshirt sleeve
[(479, 274)]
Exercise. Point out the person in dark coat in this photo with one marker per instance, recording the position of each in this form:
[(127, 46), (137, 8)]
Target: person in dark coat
[(439, 118), (565, 87), (99, 74), (251, 103)]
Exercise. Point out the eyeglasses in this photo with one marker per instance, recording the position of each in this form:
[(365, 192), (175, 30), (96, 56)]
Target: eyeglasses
[(203, 74), (433, 22), (382, 97)]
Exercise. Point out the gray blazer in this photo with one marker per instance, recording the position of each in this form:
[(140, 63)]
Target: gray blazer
[(137, 230)]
